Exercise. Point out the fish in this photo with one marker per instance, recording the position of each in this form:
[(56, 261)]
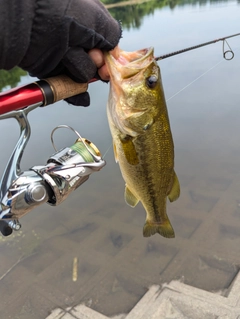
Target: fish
[(142, 139)]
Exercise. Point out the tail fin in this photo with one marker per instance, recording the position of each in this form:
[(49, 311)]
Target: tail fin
[(165, 229)]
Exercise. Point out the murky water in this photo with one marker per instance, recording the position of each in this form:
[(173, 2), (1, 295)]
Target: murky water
[(115, 263)]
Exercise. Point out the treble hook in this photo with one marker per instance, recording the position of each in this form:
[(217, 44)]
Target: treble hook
[(225, 53)]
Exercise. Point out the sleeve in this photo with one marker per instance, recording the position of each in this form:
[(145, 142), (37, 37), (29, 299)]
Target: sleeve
[(49, 37)]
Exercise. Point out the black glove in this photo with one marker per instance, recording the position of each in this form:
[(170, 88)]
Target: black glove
[(61, 34)]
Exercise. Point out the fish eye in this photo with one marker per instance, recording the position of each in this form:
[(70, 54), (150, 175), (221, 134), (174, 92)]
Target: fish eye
[(151, 81)]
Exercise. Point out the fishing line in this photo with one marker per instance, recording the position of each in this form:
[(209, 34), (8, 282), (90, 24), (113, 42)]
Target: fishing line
[(107, 151), (213, 67), (194, 80)]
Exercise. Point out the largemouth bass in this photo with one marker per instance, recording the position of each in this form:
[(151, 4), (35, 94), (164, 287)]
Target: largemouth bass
[(142, 139)]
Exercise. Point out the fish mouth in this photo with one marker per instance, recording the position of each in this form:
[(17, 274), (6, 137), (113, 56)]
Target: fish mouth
[(136, 56), (128, 63)]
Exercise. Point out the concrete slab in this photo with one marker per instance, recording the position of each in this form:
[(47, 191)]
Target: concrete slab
[(68, 316), (83, 312), (56, 314), (175, 300)]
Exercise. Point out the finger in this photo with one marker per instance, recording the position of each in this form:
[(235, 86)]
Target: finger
[(97, 56), (103, 73)]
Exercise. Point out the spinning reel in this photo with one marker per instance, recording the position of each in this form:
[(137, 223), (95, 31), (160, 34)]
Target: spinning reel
[(64, 171)]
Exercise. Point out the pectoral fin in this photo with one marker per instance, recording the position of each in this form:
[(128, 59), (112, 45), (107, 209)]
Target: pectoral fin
[(130, 199), (129, 149), (175, 191)]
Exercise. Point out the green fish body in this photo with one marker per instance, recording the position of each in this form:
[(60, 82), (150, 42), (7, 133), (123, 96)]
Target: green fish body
[(142, 139)]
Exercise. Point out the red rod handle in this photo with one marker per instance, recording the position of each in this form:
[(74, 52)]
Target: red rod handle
[(46, 91), (20, 98)]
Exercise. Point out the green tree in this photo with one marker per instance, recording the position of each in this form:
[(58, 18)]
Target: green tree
[(11, 78), (131, 14)]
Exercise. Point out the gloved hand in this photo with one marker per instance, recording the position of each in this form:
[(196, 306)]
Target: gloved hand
[(62, 33)]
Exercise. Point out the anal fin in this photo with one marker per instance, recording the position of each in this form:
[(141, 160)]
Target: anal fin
[(130, 199), (175, 191)]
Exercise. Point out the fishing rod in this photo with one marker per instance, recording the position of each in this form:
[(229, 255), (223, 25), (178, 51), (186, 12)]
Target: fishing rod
[(168, 55)]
